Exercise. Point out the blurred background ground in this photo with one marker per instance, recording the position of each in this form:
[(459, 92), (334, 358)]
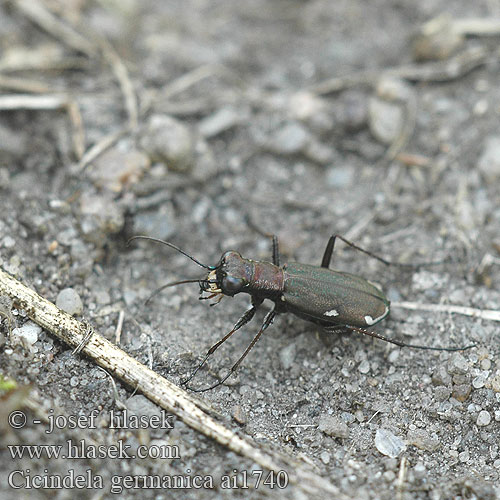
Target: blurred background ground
[(195, 121)]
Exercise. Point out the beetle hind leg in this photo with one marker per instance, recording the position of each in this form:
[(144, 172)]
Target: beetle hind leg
[(404, 344)]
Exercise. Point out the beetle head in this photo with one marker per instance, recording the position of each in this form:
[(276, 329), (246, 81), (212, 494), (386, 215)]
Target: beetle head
[(230, 276)]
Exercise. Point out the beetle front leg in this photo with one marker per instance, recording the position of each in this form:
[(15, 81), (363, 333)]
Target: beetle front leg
[(247, 316), (267, 321)]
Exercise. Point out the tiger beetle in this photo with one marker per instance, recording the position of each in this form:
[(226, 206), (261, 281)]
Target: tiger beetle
[(336, 300)]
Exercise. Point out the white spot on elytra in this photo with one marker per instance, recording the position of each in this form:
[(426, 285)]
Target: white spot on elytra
[(333, 312), (369, 320)]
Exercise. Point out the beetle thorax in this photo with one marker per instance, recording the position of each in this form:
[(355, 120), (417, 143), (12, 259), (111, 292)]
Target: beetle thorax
[(234, 274)]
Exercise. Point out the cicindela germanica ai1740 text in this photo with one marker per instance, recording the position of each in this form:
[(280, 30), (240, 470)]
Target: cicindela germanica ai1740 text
[(336, 300)]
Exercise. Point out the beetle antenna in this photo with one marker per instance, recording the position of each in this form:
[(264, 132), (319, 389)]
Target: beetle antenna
[(174, 283), (171, 245)]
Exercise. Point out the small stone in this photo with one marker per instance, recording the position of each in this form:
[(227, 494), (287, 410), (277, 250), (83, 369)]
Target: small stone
[(101, 215), (116, 169), (479, 381), (364, 366), (325, 457), (26, 335), (388, 444), (287, 355), (483, 419), (9, 242), (222, 120), (291, 139), (489, 162), (340, 176), (333, 426), (419, 470), (385, 119), (389, 476), (461, 392), (169, 141), (239, 415), (442, 393), (495, 383), (422, 440), (485, 364), (69, 301), (457, 364), (437, 40), (441, 376)]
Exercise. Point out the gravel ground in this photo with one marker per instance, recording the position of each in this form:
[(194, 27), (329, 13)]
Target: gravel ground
[(224, 135)]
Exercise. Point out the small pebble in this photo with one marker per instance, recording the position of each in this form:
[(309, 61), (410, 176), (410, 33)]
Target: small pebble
[(495, 383), (69, 301), (333, 426), (422, 440), (9, 242), (485, 364), (461, 392), (484, 418), (116, 169), (457, 364), (291, 139), (239, 415), (287, 355), (169, 141), (442, 393), (385, 119), (325, 457), (489, 162), (340, 176), (364, 366), (441, 376), (222, 120), (388, 444), (27, 334), (479, 381), (419, 470)]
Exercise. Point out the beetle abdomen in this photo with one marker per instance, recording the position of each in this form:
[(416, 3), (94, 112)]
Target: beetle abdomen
[(332, 297)]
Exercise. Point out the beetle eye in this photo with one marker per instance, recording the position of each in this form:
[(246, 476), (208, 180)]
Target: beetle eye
[(232, 285)]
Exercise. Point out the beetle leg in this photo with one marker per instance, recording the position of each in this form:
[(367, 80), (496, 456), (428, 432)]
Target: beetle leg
[(327, 256), (276, 253), (247, 316), (267, 321), (404, 344)]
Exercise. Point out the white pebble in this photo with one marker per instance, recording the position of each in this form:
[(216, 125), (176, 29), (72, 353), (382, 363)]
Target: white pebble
[(389, 444), (364, 366), (484, 418), (27, 335), (68, 300)]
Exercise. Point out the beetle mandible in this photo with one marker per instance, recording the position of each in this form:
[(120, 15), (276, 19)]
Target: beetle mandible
[(336, 300)]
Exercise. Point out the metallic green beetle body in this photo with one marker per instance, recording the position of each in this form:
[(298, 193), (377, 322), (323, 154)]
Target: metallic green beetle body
[(325, 296)]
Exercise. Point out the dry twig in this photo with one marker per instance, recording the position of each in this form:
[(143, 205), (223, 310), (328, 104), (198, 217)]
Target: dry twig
[(488, 314)]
